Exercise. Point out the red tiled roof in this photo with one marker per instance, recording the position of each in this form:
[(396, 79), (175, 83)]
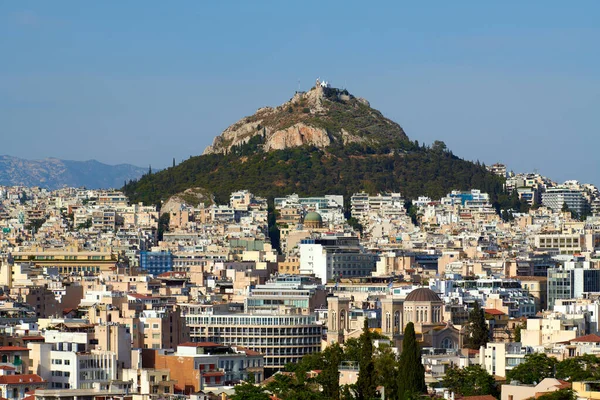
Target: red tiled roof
[(563, 384), (6, 368), (33, 338), (200, 344), (493, 311), (14, 379), (25, 398), (592, 338), (484, 397), (13, 348)]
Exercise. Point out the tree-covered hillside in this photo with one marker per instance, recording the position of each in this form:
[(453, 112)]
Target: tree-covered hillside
[(414, 171)]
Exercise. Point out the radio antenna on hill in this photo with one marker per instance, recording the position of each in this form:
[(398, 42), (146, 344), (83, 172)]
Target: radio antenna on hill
[(298, 84)]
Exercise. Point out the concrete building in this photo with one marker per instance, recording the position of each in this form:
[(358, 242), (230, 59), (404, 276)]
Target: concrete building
[(281, 338), (77, 355), (499, 358), (202, 365), (519, 391), (156, 262), (572, 280), (286, 294), (555, 198), (332, 257)]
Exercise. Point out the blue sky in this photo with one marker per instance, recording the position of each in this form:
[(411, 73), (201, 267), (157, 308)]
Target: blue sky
[(145, 81)]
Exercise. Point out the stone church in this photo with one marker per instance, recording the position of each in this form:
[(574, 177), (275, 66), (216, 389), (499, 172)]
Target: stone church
[(423, 307)]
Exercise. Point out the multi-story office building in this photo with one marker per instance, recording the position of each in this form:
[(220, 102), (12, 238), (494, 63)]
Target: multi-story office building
[(294, 294), (572, 280), (156, 262), (331, 257), (555, 198), (280, 338)]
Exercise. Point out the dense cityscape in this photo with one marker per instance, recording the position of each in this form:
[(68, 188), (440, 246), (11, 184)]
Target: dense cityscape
[(104, 298), (315, 200)]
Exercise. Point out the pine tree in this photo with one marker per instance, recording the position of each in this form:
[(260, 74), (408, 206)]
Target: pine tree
[(477, 332), (329, 378), (365, 385), (411, 373)]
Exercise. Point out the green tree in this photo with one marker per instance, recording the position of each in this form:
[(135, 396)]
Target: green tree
[(163, 224), (537, 366), (563, 394), (87, 224), (35, 224), (352, 350), (329, 378), (249, 391), (477, 331), (411, 373), (365, 385), (470, 381), (386, 371), (586, 367), (518, 330), (438, 146)]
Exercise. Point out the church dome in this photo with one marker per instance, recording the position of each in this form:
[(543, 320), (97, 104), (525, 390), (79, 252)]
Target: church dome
[(313, 217), (423, 294)]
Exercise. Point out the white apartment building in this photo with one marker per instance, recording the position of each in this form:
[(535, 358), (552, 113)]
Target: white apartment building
[(282, 339), (383, 204), (331, 257), (499, 358), (68, 361), (555, 198)]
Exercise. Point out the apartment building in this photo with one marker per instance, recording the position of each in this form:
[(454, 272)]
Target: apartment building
[(555, 198), (282, 339), (335, 256), (69, 260), (202, 365), (499, 358), (572, 280), (77, 355)]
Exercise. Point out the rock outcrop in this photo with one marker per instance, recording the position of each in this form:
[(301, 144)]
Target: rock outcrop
[(320, 117), (297, 135)]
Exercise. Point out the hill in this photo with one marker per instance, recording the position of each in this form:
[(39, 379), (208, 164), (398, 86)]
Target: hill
[(53, 173), (322, 141), (321, 117)]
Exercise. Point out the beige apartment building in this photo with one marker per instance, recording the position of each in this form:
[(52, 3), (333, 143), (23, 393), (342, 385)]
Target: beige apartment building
[(69, 260)]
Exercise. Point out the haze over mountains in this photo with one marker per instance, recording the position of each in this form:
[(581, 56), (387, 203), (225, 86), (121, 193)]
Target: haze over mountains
[(53, 173)]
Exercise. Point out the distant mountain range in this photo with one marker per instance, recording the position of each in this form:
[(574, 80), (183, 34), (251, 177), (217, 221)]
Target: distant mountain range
[(53, 173)]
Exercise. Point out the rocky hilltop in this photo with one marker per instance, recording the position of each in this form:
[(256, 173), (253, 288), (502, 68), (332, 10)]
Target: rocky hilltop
[(52, 173), (320, 117), (320, 142)]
